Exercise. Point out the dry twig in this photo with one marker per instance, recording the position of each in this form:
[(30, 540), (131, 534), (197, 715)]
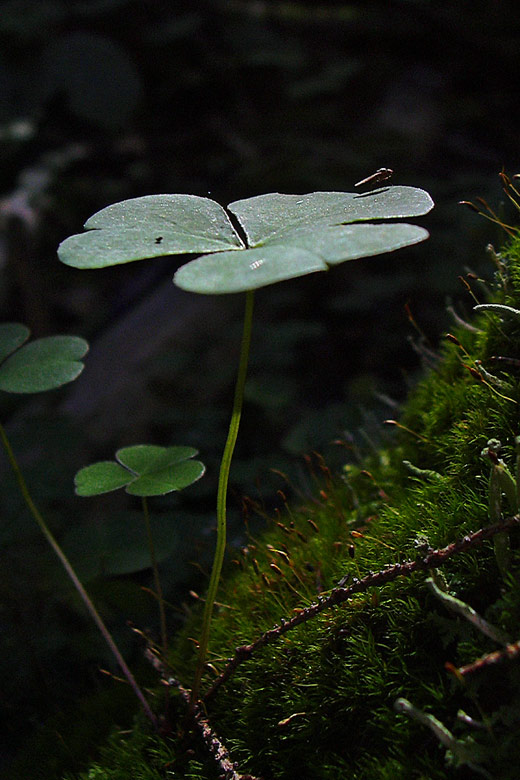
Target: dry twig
[(201, 723), (510, 652)]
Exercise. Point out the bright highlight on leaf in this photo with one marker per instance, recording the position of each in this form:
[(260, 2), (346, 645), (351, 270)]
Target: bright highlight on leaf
[(143, 470), (42, 364), (287, 235)]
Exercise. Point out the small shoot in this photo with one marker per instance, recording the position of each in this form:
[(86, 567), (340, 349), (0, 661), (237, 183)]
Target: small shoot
[(144, 470), (501, 481), (485, 210), (460, 752), (477, 370), (467, 612), (402, 427), (428, 475), (498, 308)]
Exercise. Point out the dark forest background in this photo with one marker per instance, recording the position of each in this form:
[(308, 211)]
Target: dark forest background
[(110, 99)]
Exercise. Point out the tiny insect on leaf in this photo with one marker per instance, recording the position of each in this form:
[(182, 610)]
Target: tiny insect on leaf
[(382, 174)]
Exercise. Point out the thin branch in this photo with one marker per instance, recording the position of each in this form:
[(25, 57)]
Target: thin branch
[(510, 652), (432, 560), (201, 723)]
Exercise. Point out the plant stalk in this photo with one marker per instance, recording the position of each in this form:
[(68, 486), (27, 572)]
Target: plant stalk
[(156, 579), (222, 493), (94, 614)]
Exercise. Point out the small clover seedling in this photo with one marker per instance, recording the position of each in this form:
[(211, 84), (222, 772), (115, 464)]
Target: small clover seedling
[(143, 470), (45, 364), (278, 237)]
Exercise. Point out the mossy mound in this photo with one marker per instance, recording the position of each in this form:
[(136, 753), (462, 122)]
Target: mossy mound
[(317, 701)]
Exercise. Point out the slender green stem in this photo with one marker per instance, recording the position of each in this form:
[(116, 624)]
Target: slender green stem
[(157, 581), (222, 493), (94, 614)]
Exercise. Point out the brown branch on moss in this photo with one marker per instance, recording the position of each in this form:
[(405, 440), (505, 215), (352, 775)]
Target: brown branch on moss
[(433, 560), (213, 744), (510, 652)]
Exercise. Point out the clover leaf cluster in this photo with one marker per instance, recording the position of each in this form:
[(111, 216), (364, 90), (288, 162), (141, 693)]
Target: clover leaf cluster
[(254, 242)]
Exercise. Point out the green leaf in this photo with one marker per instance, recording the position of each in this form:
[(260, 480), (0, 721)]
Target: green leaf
[(164, 480), (101, 477), (145, 458), (152, 226), (143, 469), (40, 365), (231, 272), (267, 217), (349, 242)]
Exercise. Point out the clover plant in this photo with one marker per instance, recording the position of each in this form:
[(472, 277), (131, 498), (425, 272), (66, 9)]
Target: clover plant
[(253, 243), (45, 364), (143, 470)]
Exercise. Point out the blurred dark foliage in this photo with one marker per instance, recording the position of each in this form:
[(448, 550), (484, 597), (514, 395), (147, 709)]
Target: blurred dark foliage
[(111, 99)]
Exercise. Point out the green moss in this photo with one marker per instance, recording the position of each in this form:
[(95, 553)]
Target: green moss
[(318, 702)]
